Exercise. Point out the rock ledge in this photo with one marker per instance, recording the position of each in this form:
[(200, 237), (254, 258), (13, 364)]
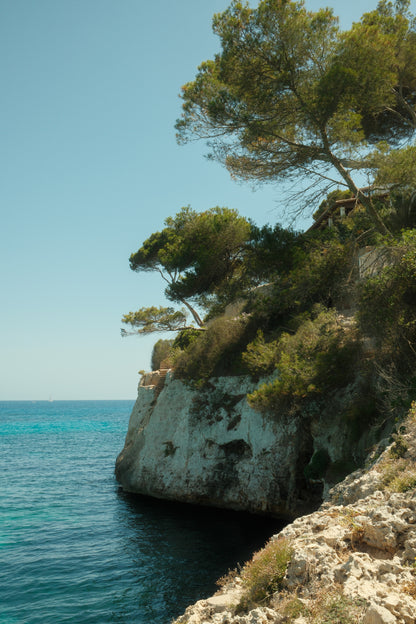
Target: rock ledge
[(364, 552)]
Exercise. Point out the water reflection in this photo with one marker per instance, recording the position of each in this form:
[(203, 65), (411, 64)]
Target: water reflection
[(178, 551)]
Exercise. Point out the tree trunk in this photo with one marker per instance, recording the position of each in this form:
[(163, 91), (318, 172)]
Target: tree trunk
[(194, 313), (365, 200)]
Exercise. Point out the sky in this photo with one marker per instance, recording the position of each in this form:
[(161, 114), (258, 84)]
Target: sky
[(89, 168)]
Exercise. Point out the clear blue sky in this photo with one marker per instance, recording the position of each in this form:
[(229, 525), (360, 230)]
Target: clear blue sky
[(89, 169)]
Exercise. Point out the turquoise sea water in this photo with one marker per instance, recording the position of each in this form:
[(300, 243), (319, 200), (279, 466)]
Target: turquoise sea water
[(75, 549)]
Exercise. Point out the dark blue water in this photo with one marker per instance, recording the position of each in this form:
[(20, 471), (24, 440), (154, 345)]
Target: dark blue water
[(75, 549)]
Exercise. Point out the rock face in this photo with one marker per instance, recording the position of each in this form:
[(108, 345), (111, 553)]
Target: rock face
[(349, 563), (209, 447), (352, 560)]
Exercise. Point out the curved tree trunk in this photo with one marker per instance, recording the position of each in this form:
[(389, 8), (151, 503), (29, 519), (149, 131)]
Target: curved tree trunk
[(365, 200), (194, 313)]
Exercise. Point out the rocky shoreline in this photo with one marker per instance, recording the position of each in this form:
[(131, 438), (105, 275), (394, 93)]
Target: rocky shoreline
[(353, 560)]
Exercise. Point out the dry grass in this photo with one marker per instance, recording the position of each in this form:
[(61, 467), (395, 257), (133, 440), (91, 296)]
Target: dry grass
[(410, 588), (322, 605), (289, 605), (398, 467), (397, 474), (330, 606), (228, 578), (262, 576)]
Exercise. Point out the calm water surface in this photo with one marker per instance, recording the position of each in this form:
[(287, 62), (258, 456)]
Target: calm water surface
[(75, 549)]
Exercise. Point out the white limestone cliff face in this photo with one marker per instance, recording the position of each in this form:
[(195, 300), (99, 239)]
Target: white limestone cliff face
[(208, 447)]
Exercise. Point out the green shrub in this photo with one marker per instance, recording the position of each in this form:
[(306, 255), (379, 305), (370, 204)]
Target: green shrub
[(338, 611), (293, 609), (332, 607), (401, 214), (403, 482), (185, 338), (263, 575), (261, 357), (161, 351), (387, 304), (320, 274), (319, 356), (397, 468), (399, 448), (214, 351)]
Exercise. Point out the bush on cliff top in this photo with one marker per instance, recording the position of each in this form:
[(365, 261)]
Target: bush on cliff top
[(387, 304), (320, 274), (161, 353), (319, 356), (317, 275), (215, 351)]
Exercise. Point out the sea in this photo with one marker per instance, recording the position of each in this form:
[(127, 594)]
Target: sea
[(76, 549)]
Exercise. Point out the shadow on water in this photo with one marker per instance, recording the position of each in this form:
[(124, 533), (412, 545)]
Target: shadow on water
[(178, 551)]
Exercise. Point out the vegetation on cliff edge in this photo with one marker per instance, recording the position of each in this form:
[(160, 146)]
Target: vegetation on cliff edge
[(290, 95)]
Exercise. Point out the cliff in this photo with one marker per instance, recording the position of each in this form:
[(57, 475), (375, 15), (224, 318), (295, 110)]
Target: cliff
[(208, 446), (351, 560)]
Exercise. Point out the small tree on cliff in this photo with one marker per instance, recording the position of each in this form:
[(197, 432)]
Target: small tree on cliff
[(160, 353), (194, 254), (289, 95)]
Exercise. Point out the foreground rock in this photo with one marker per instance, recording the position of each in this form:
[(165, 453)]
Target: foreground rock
[(364, 552), (350, 563)]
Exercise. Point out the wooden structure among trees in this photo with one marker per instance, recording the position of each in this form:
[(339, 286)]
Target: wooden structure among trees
[(341, 208)]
